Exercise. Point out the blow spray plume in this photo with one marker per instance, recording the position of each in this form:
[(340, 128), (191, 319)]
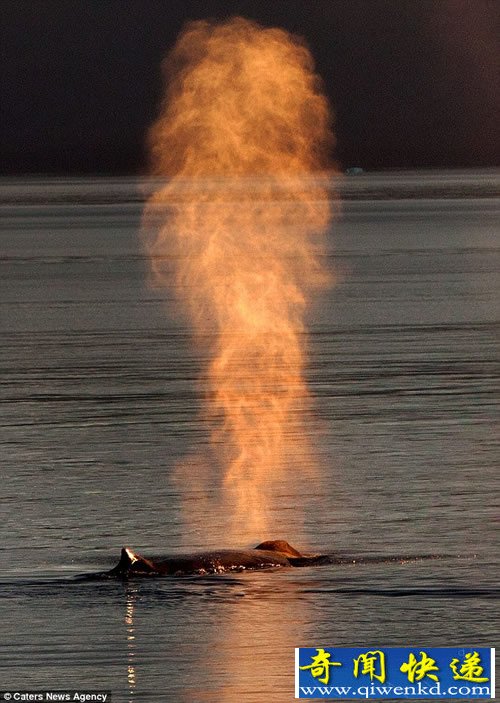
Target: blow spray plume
[(242, 144)]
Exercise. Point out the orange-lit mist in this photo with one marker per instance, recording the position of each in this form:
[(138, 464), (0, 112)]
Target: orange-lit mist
[(242, 146)]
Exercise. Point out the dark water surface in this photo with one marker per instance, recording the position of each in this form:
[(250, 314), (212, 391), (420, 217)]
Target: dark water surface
[(98, 400)]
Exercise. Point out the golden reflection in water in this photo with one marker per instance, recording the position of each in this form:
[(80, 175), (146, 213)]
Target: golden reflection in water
[(252, 642), (131, 597)]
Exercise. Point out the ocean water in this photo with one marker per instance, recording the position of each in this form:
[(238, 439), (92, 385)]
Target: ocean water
[(100, 398)]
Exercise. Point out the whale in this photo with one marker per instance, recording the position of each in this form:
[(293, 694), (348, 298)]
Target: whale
[(271, 554)]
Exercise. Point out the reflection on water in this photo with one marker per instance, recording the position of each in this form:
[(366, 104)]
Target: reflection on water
[(249, 649), (131, 595), (99, 399), (235, 638)]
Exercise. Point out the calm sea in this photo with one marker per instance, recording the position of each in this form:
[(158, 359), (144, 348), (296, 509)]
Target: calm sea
[(99, 400)]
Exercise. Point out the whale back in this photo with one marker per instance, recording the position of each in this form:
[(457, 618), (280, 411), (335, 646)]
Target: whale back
[(220, 561), (268, 554), (279, 545)]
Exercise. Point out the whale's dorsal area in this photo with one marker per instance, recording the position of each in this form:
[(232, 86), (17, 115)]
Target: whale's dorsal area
[(279, 545), (268, 554)]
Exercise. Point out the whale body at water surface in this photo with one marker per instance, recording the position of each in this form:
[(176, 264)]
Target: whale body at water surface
[(270, 554)]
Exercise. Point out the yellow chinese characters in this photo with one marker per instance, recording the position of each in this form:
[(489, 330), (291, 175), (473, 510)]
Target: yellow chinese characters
[(416, 669), (470, 670), (373, 663), (320, 666)]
